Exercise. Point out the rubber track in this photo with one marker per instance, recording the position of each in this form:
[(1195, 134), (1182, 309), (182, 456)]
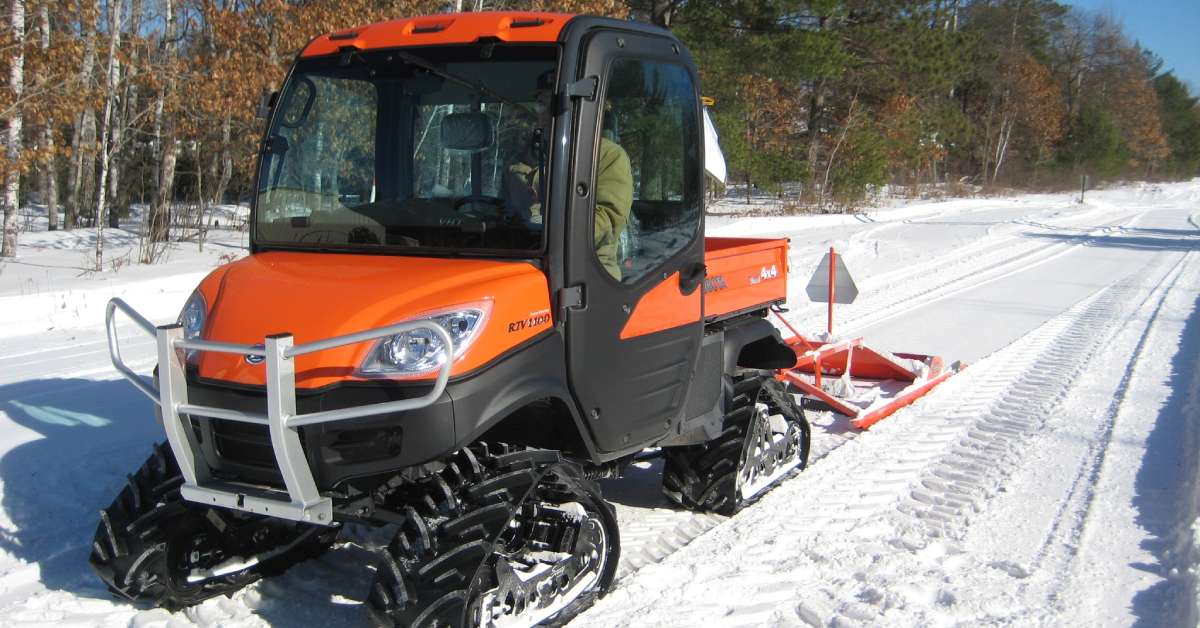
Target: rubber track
[(425, 572), (704, 477), (132, 538)]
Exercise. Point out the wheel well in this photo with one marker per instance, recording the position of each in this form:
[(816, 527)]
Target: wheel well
[(543, 423), (755, 343)]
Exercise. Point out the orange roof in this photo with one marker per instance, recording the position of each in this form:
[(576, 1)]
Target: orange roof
[(450, 28)]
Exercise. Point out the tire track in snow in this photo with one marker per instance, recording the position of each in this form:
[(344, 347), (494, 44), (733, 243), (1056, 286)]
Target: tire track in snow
[(1069, 524), (886, 296), (950, 493), (998, 435), (653, 528)]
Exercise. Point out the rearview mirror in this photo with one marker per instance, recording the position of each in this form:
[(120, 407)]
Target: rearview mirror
[(467, 131)]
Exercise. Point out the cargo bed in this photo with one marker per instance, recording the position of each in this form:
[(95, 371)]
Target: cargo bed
[(744, 274)]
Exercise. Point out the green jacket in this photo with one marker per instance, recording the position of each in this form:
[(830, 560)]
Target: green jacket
[(614, 198)]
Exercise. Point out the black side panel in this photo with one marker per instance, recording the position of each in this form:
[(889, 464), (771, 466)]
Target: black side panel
[(706, 386), (536, 372)]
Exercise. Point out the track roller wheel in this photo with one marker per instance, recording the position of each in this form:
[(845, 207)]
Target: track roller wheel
[(765, 436), (527, 542), (153, 547)]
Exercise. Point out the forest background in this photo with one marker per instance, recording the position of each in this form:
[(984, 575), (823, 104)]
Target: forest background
[(112, 104)]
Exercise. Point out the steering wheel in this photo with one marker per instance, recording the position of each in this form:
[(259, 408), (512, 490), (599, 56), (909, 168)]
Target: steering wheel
[(477, 199), (321, 234)]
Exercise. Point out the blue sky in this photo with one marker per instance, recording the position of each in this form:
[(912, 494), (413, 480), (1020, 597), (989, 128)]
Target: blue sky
[(1171, 28)]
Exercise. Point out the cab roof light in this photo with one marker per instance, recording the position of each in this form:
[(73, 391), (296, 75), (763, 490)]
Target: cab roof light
[(421, 29)]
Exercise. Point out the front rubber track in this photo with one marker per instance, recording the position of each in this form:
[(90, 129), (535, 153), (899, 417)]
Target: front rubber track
[(142, 534), (451, 523)]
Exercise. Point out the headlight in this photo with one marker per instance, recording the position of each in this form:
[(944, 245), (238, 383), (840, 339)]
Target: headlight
[(421, 351), (192, 319)]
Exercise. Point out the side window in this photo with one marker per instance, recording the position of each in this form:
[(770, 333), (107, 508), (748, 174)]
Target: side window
[(647, 196)]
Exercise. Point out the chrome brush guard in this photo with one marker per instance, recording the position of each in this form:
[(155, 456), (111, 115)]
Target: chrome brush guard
[(302, 501)]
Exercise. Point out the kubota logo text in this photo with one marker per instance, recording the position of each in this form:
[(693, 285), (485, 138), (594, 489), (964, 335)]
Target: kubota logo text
[(712, 284)]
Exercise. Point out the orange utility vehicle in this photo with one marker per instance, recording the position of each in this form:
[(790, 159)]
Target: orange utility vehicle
[(478, 282)]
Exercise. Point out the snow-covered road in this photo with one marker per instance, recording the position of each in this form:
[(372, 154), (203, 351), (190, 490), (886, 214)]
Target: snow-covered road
[(1053, 482)]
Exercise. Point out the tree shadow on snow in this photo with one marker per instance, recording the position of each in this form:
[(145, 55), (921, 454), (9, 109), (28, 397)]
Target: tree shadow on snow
[(1166, 491), (86, 436), (1132, 238)]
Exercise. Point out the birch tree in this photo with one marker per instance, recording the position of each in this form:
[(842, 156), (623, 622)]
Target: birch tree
[(165, 140), (48, 179), (110, 97), (83, 135), (13, 145)]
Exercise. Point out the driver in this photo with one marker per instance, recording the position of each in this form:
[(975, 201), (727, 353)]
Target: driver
[(614, 184)]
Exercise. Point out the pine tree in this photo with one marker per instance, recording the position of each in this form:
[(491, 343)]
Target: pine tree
[(1180, 114)]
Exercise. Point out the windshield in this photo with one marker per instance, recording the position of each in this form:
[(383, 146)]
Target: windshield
[(429, 150)]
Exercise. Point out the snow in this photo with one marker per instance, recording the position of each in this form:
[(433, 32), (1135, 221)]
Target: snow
[(1053, 482)]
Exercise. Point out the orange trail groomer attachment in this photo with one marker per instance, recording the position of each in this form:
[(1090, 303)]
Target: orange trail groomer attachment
[(858, 382)]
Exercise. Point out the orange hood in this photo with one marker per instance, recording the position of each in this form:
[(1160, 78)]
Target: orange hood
[(315, 296)]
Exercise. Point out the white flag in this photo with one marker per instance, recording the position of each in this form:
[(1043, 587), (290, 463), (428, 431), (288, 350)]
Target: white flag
[(714, 160)]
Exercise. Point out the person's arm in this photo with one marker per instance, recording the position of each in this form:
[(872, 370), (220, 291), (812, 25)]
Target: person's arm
[(614, 198), (522, 192)]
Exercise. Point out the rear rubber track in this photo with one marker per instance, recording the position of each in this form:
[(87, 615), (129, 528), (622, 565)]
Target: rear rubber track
[(705, 477)]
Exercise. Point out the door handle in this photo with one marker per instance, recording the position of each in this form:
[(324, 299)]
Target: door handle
[(691, 276)]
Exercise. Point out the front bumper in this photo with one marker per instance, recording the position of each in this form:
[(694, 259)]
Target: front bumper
[(300, 500)]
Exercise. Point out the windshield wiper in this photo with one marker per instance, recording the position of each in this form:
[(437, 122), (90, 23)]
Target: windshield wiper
[(421, 62)]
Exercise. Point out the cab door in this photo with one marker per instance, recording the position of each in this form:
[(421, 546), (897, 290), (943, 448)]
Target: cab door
[(635, 255)]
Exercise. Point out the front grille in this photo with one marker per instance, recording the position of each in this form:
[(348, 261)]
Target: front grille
[(244, 443), (242, 452)]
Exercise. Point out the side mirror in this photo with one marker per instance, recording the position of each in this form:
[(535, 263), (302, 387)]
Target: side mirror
[(301, 95), (266, 104), (471, 132)]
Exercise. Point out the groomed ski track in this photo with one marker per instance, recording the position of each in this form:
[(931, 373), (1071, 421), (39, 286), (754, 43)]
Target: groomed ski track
[(888, 526)]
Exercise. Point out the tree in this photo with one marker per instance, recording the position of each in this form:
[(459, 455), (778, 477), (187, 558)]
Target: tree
[(1137, 115), (106, 150), (13, 143), (1032, 105), (1093, 145), (83, 136), (1180, 117), (47, 149)]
